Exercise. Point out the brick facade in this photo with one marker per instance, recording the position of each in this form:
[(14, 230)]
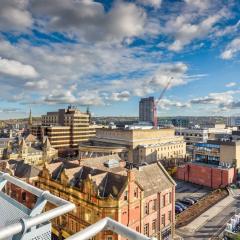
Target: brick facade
[(206, 175)]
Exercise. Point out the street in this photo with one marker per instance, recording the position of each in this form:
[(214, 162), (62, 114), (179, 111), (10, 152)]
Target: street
[(214, 226)]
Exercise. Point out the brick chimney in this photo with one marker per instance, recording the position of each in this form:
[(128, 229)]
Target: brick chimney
[(131, 175)]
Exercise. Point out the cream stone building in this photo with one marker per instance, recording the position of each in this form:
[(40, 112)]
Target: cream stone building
[(135, 145), (31, 151)]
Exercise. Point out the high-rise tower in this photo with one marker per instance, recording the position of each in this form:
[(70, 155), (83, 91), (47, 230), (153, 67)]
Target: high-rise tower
[(146, 110)]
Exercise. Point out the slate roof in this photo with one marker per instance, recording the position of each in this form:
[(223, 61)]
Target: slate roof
[(30, 138), (152, 178), (23, 170)]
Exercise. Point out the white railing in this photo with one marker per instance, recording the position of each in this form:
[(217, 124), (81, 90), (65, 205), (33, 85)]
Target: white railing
[(36, 217), (108, 224)]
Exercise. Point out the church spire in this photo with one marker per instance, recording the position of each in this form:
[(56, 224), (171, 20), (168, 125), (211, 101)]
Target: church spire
[(30, 118)]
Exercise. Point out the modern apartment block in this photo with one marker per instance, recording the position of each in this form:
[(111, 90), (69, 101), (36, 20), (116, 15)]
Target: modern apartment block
[(146, 110), (216, 164), (65, 128), (141, 198), (135, 145)]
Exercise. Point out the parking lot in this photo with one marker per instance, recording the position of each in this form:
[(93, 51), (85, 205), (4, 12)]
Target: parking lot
[(185, 189)]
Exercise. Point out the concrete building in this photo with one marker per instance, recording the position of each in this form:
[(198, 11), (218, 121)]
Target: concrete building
[(143, 199), (202, 135), (65, 128), (233, 121), (135, 145), (180, 122), (196, 135), (146, 110), (216, 164)]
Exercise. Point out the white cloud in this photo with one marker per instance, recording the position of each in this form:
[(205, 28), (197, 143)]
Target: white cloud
[(120, 96), (227, 30), (37, 85), (68, 96), (198, 20), (185, 32), (231, 84), (200, 4), (232, 49), (166, 71), (89, 20), (152, 3), (220, 98), (14, 15), (168, 104), (17, 69)]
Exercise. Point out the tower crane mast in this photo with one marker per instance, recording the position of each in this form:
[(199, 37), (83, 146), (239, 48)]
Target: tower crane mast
[(155, 123)]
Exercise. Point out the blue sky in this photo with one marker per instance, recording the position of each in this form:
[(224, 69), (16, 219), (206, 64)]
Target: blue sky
[(109, 54)]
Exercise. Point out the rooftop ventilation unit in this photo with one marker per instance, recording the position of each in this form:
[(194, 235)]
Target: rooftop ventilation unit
[(111, 163)]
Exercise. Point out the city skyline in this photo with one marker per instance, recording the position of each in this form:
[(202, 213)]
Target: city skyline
[(109, 54)]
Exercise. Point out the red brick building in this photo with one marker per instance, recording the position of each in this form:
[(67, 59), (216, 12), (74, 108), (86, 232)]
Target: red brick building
[(206, 175), (25, 172), (216, 164), (143, 199)]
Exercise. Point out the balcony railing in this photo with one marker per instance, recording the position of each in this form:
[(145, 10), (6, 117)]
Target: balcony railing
[(19, 222)]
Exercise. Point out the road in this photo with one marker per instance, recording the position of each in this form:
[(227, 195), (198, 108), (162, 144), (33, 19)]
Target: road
[(215, 226)]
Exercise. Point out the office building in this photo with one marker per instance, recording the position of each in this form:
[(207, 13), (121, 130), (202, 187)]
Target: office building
[(65, 128), (146, 110), (180, 122)]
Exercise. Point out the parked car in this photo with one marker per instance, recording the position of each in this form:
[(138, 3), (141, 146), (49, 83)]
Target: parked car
[(189, 200), (186, 202), (178, 209), (183, 206), (194, 199)]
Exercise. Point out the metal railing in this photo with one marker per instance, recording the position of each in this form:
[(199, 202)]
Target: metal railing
[(108, 224), (36, 217)]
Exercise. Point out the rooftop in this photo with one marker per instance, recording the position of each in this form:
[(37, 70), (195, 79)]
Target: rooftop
[(152, 178)]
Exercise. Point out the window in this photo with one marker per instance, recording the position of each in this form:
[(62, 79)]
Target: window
[(72, 226), (24, 196), (154, 225), (126, 195), (146, 209), (109, 238), (170, 197), (164, 200), (169, 216), (136, 193), (163, 220), (154, 205), (137, 228), (146, 229)]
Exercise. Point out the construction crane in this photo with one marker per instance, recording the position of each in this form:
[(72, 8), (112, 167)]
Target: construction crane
[(155, 120)]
